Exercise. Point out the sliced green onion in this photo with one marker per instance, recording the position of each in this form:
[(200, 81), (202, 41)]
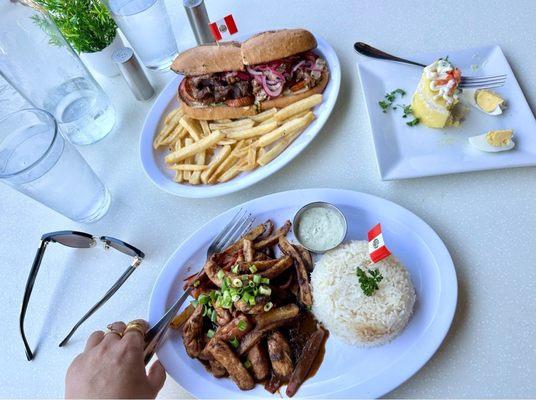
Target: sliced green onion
[(247, 364), (251, 284), (220, 274), (194, 303), (265, 290), (213, 295), (252, 301), (257, 279), (234, 342), (268, 306), (235, 269), (244, 277), (253, 268), (242, 325), (265, 281), (203, 298), (196, 283), (213, 316), (236, 297), (237, 282), (205, 310), (246, 296), (224, 286), (210, 333)]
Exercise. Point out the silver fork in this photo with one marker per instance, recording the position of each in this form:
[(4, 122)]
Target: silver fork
[(481, 82), (234, 230)]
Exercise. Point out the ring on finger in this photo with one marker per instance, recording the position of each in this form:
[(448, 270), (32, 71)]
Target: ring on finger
[(114, 331), (135, 326)]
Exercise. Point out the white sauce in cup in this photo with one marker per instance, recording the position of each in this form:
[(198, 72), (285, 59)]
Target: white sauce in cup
[(320, 228)]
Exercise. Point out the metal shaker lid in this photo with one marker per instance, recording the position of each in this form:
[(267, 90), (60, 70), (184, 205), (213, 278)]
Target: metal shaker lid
[(133, 73)]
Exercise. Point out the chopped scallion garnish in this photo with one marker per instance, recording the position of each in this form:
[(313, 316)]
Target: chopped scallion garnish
[(247, 364), (234, 342), (235, 269), (265, 290), (194, 303), (220, 274), (268, 306), (257, 279), (265, 281), (210, 333), (242, 325), (253, 268), (213, 316), (237, 282)]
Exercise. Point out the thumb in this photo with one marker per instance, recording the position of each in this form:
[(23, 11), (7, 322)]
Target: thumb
[(156, 376)]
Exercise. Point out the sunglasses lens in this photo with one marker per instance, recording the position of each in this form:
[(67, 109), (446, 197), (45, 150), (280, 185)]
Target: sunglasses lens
[(118, 245), (73, 240)]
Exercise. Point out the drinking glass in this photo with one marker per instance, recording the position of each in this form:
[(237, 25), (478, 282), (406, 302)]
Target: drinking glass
[(36, 160), (147, 26), (37, 61)]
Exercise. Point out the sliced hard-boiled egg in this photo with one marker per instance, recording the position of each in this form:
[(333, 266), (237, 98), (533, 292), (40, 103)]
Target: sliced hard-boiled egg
[(493, 141), (485, 100)]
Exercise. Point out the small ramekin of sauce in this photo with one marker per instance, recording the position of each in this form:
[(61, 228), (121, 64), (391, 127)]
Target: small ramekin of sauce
[(319, 226)]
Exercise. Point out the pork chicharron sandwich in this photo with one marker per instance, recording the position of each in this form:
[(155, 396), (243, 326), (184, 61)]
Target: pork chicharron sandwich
[(233, 80)]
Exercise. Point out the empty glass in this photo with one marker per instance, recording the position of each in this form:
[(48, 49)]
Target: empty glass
[(36, 160), (146, 25), (37, 61)]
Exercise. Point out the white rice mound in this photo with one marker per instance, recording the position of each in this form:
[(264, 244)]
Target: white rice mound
[(340, 304)]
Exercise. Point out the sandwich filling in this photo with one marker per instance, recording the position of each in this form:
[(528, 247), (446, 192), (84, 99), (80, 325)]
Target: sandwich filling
[(290, 75)]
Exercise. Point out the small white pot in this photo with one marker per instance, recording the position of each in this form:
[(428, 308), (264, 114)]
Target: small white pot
[(101, 61)]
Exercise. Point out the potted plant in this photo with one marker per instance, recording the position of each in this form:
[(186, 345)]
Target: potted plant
[(89, 28)]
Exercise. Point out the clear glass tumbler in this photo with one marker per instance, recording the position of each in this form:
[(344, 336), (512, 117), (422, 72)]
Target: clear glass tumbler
[(147, 26), (37, 61), (36, 160)]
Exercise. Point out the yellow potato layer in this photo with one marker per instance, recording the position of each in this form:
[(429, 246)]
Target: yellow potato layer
[(434, 113)]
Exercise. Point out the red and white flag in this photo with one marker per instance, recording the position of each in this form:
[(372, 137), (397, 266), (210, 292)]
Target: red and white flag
[(223, 28), (376, 245)]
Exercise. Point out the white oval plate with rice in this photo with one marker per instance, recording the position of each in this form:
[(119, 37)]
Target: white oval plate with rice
[(346, 371), (153, 160)]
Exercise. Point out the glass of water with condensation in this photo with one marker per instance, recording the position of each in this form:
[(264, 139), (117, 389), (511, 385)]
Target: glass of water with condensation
[(37, 61), (36, 160), (147, 26)]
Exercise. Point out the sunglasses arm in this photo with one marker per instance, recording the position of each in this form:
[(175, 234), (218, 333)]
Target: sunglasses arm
[(122, 279), (28, 292)]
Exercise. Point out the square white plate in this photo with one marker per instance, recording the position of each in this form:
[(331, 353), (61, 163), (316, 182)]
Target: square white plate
[(409, 152)]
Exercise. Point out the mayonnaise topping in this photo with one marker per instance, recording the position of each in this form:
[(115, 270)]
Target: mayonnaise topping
[(437, 73), (320, 228)]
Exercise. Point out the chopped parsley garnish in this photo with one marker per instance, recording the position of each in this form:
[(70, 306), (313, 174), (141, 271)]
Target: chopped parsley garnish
[(242, 325), (390, 98), (369, 280)]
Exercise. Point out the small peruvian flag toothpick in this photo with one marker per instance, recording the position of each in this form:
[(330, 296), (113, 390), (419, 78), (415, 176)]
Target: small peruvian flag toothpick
[(377, 249), (223, 28)]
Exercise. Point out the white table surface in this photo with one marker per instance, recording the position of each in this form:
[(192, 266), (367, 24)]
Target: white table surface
[(486, 219)]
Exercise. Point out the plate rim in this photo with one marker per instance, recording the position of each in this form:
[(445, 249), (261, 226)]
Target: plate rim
[(292, 151), (391, 172), (378, 385)]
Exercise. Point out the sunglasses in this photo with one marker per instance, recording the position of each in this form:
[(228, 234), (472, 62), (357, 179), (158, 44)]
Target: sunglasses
[(79, 240)]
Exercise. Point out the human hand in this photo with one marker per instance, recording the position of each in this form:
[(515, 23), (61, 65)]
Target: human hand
[(112, 366)]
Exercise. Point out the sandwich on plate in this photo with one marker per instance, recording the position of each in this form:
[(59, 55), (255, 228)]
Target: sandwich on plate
[(437, 95), (234, 80)]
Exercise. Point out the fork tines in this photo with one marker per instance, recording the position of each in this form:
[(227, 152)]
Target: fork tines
[(235, 229), (483, 81)]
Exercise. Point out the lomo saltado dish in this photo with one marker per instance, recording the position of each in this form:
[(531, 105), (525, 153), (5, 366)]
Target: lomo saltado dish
[(251, 318)]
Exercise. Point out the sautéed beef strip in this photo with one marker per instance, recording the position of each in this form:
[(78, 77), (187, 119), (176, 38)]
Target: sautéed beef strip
[(280, 356), (247, 250), (272, 240), (217, 369), (306, 296), (225, 356), (306, 360), (306, 256), (192, 332), (260, 365)]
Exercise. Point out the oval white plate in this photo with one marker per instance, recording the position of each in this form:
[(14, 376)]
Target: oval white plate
[(346, 371), (153, 160)]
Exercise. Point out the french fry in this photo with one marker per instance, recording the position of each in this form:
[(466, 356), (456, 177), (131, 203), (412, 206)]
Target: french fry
[(279, 147), (268, 121), (186, 173), (204, 127), (225, 142), (223, 121), (195, 178), (178, 321), (201, 145), (188, 167), (227, 164), (169, 127), (231, 125), (178, 144), (298, 107), (299, 115), (215, 163), (284, 130), (172, 113), (231, 172), (192, 126), (178, 174), (252, 132), (260, 117)]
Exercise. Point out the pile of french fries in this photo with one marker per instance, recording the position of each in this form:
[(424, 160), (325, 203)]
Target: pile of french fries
[(211, 152)]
